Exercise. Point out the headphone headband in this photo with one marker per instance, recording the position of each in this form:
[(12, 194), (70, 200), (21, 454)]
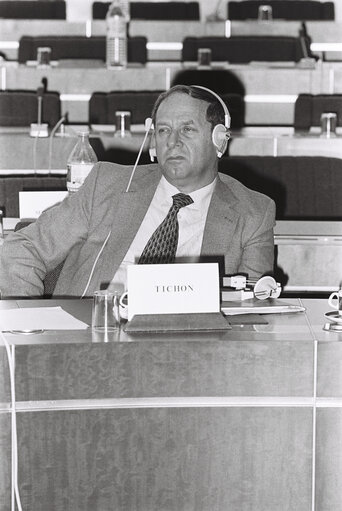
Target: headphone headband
[(227, 117)]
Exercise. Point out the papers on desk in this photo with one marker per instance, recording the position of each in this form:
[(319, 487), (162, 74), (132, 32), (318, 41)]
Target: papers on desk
[(37, 319), (259, 307)]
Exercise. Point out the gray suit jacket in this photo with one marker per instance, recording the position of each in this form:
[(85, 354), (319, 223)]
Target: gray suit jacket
[(93, 229)]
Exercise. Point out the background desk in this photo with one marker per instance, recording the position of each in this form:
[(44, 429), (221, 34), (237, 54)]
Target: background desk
[(184, 422), (270, 91), (22, 154)]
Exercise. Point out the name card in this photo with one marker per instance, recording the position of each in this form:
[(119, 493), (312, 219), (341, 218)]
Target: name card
[(172, 288), (32, 204)]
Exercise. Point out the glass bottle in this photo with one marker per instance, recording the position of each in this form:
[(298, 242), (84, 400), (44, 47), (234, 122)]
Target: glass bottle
[(117, 19), (80, 162)]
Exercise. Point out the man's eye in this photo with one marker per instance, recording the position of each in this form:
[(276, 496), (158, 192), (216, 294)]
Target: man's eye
[(163, 131), (188, 129)]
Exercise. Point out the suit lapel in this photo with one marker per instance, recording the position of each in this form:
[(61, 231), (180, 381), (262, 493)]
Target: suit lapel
[(221, 221), (127, 218)]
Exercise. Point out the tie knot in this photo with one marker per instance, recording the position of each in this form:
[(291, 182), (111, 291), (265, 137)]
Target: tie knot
[(180, 200)]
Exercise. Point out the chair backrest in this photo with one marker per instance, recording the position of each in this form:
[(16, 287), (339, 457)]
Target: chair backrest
[(78, 47), (301, 10), (102, 105), (303, 187), (153, 10), (33, 9), (20, 108), (309, 108), (245, 49), (11, 186)]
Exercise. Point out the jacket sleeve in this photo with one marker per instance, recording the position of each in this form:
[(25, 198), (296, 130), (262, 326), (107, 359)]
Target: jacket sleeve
[(258, 249), (27, 255)]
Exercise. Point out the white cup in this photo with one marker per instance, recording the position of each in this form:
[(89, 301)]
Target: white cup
[(122, 123), (43, 56), (328, 124), (265, 13), (204, 56), (335, 301)]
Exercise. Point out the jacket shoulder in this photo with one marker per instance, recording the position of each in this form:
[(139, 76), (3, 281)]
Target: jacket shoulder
[(243, 194)]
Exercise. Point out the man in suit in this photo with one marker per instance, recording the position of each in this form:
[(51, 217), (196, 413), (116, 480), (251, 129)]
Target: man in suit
[(110, 222)]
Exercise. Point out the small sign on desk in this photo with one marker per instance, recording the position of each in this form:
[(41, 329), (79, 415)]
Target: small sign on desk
[(173, 288), (32, 204)]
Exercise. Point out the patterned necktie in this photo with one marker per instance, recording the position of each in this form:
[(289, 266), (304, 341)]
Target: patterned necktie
[(162, 245)]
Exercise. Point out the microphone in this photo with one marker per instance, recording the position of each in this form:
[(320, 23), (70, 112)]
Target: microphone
[(39, 129), (64, 118), (148, 126)]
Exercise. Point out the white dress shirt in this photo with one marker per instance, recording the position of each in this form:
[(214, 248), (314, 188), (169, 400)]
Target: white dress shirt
[(191, 220)]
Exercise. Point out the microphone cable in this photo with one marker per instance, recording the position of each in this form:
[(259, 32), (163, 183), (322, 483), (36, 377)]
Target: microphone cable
[(15, 496), (95, 263), (52, 134), (40, 94), (148, 126)]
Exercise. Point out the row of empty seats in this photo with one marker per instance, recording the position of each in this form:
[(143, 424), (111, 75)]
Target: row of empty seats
[(236, 49), (19, 108), (236, 10), (303, 187), (282, 9), (175, 11), (78, 47)]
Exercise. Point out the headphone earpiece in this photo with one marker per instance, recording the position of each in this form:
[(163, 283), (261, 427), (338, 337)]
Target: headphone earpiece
[(220, 137), (153, 154), (220, 134)]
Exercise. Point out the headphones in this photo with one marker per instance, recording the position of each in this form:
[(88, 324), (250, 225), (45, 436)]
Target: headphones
[(220, 134)]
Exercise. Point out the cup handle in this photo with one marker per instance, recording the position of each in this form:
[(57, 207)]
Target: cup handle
[(123, 306), (332, 297)]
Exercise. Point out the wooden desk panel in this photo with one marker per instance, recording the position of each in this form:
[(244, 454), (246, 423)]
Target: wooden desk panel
[(329, 459), (145, 369), (198, 459)]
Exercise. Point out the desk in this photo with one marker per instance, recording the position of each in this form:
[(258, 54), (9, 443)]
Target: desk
[(22, 154), (284, 141), (184, 422), (270, 91)]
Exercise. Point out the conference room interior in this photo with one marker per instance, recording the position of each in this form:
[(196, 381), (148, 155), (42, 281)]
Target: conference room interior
[(245, 417)]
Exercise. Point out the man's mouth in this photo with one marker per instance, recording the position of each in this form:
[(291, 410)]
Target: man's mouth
[(175, 157)]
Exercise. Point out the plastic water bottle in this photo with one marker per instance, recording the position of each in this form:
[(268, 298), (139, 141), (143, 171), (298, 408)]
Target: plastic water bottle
[(80, 162), (117, 27)]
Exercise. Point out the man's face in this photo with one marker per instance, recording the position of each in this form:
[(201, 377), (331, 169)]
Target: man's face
[(184, 147)]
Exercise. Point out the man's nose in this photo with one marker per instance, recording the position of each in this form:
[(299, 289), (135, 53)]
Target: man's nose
[(173, 138)]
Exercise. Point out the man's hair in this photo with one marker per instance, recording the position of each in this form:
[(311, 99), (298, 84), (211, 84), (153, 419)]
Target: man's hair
[(215, 112)]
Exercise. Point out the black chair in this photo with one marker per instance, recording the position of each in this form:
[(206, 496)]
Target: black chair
[(282, 9), (245, 49), (79, 47), (309, 108), (303, 187), (153, 10), (102, 105), (20, 108), (33, 9)]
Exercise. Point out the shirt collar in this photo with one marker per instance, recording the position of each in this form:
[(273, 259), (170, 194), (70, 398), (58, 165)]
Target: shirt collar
[(198, 196)]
